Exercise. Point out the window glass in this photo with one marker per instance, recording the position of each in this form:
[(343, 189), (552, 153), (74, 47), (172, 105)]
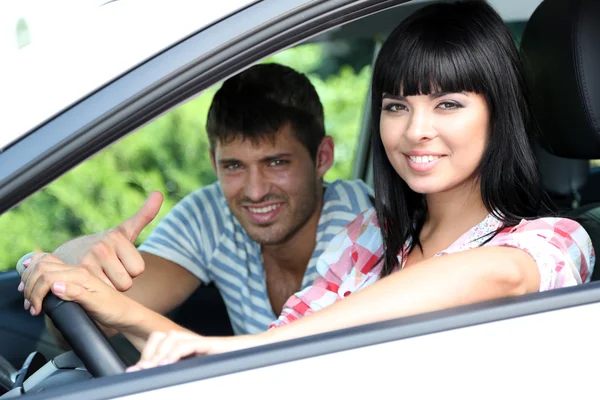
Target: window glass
[(171, 155)]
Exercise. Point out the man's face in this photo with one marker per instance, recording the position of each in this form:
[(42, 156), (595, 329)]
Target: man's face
[(272, 187)]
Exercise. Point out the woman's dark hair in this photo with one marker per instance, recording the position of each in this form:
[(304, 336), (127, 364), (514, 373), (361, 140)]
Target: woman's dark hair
[(455, 47)]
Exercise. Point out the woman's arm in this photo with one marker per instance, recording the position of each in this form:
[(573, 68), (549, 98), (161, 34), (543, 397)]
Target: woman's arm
[(540, 254), (452, 280), (112, 308), (146, 321), (442, 282)]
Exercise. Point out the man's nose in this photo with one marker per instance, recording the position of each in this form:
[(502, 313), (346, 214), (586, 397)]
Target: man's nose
[(257, 185)]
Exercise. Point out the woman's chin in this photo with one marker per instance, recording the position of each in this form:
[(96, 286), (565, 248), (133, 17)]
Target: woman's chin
[(438, 186), (425, 187)]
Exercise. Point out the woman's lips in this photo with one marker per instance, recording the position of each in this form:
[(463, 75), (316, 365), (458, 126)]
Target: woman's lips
[(423, 162)]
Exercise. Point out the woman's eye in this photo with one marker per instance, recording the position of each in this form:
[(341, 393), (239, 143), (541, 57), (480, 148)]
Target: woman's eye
[(395, 107), (449, 105)]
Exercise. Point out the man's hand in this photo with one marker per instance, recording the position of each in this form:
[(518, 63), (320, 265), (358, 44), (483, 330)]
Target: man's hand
[(111, 256)]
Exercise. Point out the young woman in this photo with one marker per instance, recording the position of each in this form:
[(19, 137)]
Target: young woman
[(459, 204)]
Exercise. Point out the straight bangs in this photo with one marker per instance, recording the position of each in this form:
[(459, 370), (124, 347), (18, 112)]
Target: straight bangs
[(423, 60)]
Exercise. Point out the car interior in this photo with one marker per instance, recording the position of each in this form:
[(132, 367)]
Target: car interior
[(560, 65), (561, 62)]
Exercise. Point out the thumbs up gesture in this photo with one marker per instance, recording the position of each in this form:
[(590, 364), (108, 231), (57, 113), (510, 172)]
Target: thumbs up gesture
[(111, 255), (87, 270)]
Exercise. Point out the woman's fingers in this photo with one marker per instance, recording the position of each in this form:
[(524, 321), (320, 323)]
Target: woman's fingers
[(70, 291), (40, 283), (182, 349), (166, 348), (38, 266), (152, 344), (31, 264)]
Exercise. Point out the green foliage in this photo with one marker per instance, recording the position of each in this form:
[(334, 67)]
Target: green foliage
[(170, 155)]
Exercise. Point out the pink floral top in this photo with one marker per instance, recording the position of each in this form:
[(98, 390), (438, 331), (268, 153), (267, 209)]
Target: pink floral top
[(561, 248)]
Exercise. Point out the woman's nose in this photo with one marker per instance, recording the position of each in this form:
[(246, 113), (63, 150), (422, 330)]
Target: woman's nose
[(420, 126)]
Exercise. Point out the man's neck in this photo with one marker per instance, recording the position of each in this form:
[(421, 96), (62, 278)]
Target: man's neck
[(286, 263), (295, 253)]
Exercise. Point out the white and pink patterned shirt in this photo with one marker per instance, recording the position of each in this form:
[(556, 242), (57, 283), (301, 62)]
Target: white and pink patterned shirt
[(561, 248)]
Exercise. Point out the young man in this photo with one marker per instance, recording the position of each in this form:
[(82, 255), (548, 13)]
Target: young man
[(256, 233)]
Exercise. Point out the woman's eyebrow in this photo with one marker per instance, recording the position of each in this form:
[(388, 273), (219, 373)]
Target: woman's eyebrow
[(442, 94), (393, 97), (433, 95)]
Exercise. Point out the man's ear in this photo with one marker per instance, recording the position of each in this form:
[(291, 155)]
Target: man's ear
[(324, 157), (212, 160)]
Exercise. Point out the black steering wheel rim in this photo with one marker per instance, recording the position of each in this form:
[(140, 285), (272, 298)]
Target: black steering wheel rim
[(87, 340)]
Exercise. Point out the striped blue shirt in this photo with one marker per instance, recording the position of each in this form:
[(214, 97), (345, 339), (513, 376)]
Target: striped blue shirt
[(202, 235)]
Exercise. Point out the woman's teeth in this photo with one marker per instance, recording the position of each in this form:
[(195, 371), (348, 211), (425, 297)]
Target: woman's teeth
[(423, 159)]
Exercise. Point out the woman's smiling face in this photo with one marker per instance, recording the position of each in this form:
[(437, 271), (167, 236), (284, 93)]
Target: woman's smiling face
[(435, 142)]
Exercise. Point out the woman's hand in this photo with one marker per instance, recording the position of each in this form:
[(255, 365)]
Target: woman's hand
[(46, 272), (168, 347)]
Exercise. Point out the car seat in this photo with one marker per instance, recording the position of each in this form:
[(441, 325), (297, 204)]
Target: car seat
[(560, 53)]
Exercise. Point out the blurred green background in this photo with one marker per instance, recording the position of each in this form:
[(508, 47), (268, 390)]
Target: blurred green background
[(170, 154)]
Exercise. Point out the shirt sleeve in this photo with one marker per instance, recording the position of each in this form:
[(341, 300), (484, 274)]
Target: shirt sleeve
[(561, 248), (349, 263), (185, 235)]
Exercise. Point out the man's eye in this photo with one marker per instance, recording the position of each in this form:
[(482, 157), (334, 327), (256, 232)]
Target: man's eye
[(395, 107), (232, 167), (276, 163)]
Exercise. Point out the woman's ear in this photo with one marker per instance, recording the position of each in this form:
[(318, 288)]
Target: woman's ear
[(324, 157)]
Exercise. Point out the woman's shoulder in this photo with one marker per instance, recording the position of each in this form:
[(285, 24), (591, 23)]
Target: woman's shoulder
[(559, 225), (552, 241), (561, 231)]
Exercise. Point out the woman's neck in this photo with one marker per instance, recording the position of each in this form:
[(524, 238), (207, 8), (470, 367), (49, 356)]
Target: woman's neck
[(456, 210)]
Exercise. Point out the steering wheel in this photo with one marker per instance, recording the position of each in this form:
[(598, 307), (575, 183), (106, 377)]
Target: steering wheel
[(87, 340)]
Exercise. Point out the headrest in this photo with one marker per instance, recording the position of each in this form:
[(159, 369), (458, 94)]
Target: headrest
[(560, 48)]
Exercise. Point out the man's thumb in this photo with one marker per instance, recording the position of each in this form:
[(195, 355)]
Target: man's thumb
[(147, 212)]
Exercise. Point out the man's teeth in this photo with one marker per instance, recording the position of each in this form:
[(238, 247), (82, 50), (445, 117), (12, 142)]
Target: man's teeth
[(263, 210), (423, 159)]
